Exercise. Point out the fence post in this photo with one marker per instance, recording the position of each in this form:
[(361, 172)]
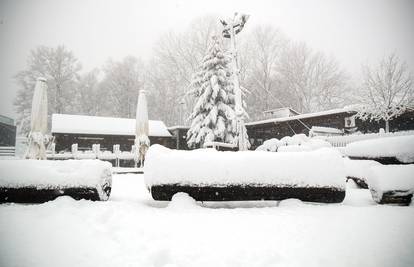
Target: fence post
[(96, 148), (116, 151), (74, 149)]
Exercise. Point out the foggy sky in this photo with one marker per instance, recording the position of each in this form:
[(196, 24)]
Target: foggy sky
[(355, 32)]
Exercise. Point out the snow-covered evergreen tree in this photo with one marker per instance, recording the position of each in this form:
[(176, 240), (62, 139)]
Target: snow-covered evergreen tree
[(213, 116)]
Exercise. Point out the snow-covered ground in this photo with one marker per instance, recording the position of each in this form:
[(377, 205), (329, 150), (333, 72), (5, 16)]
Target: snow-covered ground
[(133, 230)]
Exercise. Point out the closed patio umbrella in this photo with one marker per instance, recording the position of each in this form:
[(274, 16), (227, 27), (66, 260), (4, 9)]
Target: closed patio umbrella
[(142, 141), (38, 122)]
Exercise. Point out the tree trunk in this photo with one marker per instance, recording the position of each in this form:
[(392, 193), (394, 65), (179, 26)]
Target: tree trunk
[(387, 126)]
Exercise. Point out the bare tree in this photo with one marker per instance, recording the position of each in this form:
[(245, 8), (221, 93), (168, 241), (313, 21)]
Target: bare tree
[(89, 97), (176, 58), (314, 81), (387, 91), (121, 85), (60, 67), (260, 56)]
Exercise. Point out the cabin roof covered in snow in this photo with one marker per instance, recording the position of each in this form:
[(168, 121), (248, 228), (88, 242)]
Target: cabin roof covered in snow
[(320, 129), (81, 124), (303, 116), (290, 110), (175, 127)]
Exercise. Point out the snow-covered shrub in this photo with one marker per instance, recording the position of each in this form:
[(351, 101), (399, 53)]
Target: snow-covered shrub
[(295, 143), (270, 145)]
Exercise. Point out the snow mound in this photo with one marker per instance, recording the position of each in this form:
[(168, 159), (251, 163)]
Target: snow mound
[(48, 174), (206, 167), (295, 143), (391, 178), (182, 201), (290, 202), (401, 147)]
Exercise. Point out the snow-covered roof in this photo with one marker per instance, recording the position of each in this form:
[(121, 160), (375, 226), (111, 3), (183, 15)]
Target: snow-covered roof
[(285, 110), (321, 129), (6, 120), (80, 124), (302, 116), (175, 127)]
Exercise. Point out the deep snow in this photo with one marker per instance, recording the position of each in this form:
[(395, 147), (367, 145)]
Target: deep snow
[(133, 230)]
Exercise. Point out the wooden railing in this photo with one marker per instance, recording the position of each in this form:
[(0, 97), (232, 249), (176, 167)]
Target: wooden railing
[(7, 151), (342, 141)]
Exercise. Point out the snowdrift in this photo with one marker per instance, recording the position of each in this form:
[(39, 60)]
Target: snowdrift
[(392, 184), (387, 150), (210, 175), (36, 181)]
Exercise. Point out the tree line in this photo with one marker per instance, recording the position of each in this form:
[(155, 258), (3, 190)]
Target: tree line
[(274, 72)]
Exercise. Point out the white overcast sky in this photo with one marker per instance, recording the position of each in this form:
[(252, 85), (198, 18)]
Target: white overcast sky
[(354, 31)]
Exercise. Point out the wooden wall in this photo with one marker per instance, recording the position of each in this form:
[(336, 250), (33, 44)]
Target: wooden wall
[(7, 134)]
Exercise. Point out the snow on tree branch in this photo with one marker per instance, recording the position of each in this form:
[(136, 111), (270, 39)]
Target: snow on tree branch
[(388, 91)]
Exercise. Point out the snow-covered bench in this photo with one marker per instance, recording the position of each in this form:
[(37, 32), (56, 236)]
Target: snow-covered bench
[(359, 171), (392, 184), (36, 181), (387, 150), (210, 175)]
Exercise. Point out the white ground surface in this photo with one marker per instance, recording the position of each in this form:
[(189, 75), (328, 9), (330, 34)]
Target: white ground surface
[(133, 230)]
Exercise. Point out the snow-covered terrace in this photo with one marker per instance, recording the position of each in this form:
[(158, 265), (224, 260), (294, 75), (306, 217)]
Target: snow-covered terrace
[(80, 124)]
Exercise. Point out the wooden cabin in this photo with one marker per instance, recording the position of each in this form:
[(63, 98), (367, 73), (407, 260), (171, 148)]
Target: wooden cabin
[(106, 131), (179, 137), (342, 119), (7, 132), (287, 122)]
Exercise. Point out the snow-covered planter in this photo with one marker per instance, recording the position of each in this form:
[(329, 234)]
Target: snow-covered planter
[(388, 150), (36, 181), (392, 184), (210, 175), (359, 170)]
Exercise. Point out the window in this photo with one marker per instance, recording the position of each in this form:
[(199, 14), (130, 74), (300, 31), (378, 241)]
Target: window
[(350, 122)]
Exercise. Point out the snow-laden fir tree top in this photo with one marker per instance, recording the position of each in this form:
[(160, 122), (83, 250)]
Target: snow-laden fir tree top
[(213, 116)]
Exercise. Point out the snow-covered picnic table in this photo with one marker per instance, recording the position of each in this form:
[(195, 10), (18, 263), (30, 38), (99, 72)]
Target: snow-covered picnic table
[(131, 229)]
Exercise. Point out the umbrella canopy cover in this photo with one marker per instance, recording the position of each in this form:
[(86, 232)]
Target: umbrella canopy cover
[(38, 119), (142, 115), (142, 141), (38, 122)]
